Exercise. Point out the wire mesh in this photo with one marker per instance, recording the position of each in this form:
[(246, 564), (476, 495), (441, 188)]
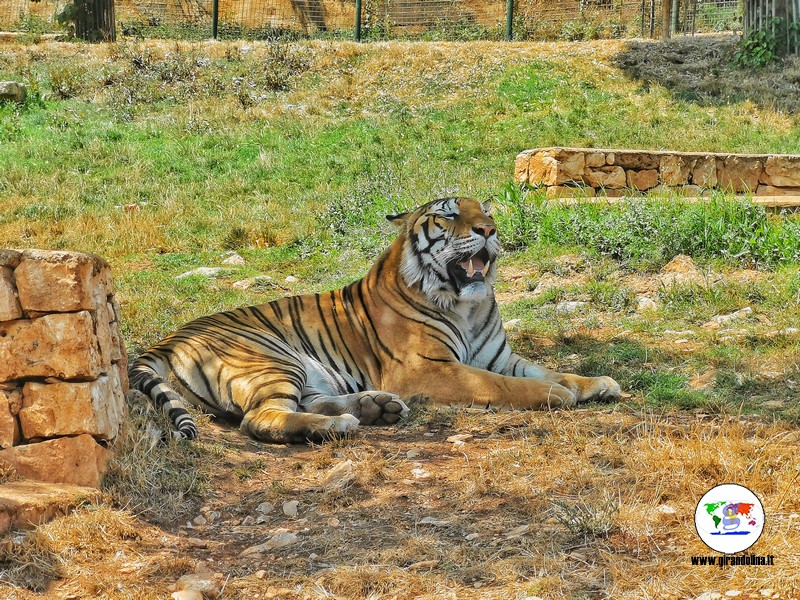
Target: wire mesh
[(392, 19)]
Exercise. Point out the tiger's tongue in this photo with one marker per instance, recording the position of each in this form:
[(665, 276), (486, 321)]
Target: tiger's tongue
[(472, 265)]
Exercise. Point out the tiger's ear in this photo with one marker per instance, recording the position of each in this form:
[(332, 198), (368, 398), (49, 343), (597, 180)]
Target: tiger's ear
[(487, 205), (398, 219)]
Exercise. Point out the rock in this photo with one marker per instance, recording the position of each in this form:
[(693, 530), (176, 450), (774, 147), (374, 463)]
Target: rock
[(782, 171), (423, 565), (738, 174), (521, 167), (204, 582), (265, 507), (607, 177), (10, 402), (644, 304), (674, 170), (642, 180), (720, 320), (82, 281), (67, 408), (76, 460), (461, 437), (290, 508), (555, 166), (681, 270), (187, 595), (769, 190), (340, 476), (419, 473), (512, 325), (434, 521), (260, 574), (10, 307), (233, 260), (570, 307), (13, 91), (709, 596), (412, 453), (26, 504), (200, 520), (733, 593), (279, 540), (635, 160), (517, 532), (56, 345), (248, 521), (291, 279), (704, 172), (333, 522), (767, 592), (595, 159), (666, 509), (258, 280), (200, 272), (472, 536)]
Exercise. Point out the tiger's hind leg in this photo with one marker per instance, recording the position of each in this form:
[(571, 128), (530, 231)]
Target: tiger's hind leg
[(370, 407), (277, 421)]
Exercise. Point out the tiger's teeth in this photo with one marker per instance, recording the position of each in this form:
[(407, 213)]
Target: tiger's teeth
[(471, 269), (486, 266)]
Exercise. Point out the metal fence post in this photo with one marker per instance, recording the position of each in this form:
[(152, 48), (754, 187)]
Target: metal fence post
[(358, 20), (214, 18), (509, 20)]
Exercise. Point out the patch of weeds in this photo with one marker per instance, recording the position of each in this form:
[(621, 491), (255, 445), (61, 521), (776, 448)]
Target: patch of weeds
[(67, 80), (613, 296), (594, 518)]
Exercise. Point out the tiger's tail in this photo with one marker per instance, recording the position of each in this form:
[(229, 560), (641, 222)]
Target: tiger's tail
[(148, 375)]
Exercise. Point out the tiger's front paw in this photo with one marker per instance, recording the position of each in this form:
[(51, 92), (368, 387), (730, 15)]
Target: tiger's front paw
[(559, 396), (592, 388)]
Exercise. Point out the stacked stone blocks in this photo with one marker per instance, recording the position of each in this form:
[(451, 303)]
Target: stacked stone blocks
[(598, 172), (63, 366)]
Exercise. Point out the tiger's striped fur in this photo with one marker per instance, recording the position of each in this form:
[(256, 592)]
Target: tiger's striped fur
[(422, 322)]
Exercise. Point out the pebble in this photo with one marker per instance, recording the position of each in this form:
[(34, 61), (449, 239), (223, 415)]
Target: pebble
[(767, 592), (666, 509), (290, 279), (199, 520), (340, 476), (201, 271), (643, 303), (719, 320), (733, 593), (420, 473), (204, 582), (290, 508), (461, 437), (434, 521), (570, 307), (333, 522), (187, 595), (248, 520), (279, 540), (412, 454), (233, 260), (472, 536), (423, 564), (260, 574), (512, 325), (709, 596), (245, 284), (265, 507)]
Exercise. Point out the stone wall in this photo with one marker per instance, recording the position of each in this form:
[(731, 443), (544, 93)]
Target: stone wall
[(63, 366), (597, 172)]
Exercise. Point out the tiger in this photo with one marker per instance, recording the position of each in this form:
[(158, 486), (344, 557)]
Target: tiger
[(422, 323)]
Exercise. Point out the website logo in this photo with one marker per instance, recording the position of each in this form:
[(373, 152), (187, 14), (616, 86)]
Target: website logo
[(729, 518)]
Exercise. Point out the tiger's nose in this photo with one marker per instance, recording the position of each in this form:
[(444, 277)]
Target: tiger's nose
[(485, 230)]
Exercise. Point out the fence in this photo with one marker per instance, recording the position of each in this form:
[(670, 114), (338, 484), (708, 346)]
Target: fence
[(388, 19)]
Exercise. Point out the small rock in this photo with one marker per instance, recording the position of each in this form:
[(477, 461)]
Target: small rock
[(733, 593), (709, 596), (434, 521), (461, 437), (260, 574), (199, 520), (333, 522), (200, 271), (290, 508), (279, 540), (420, 473), (290, 279), (233, 260), (423, 564), (767, 592), (472, 536), (720, 320), (204, 582), (679, 270), (213, 515), (265, 507), (517, 532), (249, 520), (643, 303), (570, 307), (258, 280), (512, 325), (187, 595), (13, 91), (412, 453), (666, 509), (340, 476)]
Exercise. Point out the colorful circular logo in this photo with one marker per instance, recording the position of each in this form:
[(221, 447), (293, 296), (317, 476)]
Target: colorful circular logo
[(729, 518)]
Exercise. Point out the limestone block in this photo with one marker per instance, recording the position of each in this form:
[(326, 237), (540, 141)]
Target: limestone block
[(66, 408), (56, 281), (10, 401), (78, 460), (738, 174), (102, 329), (704, 172), (57, 345), (521, 167), (675, 169), (10, 308), (635, 160), (607, 177), (26, 504), (642, 180), (595, 159), (770, 190), (556, 167), (783, 171)]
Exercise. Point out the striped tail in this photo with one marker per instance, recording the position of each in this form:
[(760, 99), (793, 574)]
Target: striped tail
[(147, 375)]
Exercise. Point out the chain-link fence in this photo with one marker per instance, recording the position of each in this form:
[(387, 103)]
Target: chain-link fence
[(393, 19)]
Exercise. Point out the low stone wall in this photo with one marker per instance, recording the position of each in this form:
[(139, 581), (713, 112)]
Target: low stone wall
[(590, 172), (63, 366)]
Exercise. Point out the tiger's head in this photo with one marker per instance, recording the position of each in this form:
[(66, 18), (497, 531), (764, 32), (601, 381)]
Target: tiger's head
[(450, 248)]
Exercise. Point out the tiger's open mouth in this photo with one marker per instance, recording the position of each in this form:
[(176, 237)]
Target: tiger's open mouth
[(472, 268)]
